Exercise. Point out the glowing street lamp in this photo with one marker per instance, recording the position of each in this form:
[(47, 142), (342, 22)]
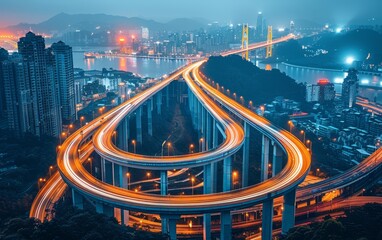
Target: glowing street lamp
[(302, 132), (148, 174), (135, 145), (115, 136), (192, 184), (168, 148), (128, 180), (201, 141), (50, 170), (191, 148), (290, 124), (82, 118)]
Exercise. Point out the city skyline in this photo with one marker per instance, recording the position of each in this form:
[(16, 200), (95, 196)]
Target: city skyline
[(338, 13)]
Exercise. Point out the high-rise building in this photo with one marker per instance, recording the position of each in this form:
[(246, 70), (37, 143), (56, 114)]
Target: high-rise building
[(62, 60), (260, 26), (292, 28), (18, 96), (3, 57), (43, 86), (145, 33), (321, 92), (350, 89)]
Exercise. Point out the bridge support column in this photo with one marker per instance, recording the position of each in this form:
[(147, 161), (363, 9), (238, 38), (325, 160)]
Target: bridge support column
[(150, 117), (288, 218), (267, 220), (245, 167), (167, 97), (277, 160), (125, 217), (78, 200), (163, 182), (102, 169), (139, 124), (123, 134), (169, 225), (159, 103), (203, 126), (214, 166), (207, 188), (108, 172), (104, 209), (208, 132), (199, 123), (227, 174), (225, 226), (123, 181), (264, 158)]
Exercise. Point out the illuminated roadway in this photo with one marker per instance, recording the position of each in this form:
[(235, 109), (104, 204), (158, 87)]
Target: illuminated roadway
[(116, 195), (79, 179)]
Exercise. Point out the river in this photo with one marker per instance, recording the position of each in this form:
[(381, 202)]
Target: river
[(158, 67)]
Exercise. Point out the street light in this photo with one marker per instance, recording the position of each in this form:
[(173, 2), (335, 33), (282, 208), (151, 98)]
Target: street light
[(317, 171), (234, 177), (191, 148), (115, 136), (148, 174), (192, 185), (201, 140), (128, 180), (91, 165), (82, 118), (50, 171), (302, 132), (168, 148), (242, 100), (290, 123), (135, 145), (309, 143)]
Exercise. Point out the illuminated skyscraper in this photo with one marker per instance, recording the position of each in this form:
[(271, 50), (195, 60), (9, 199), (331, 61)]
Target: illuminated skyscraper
[(62, 60), (18, 96), (43, 87), (350, 89), (260, 26)]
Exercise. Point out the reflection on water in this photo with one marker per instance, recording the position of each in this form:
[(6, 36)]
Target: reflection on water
[(142, 66), (311, 75)]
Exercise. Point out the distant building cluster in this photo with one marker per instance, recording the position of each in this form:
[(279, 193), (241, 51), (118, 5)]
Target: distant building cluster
[(38, 87)]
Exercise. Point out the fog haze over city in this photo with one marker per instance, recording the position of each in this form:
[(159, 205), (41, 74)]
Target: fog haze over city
[(339, 12)]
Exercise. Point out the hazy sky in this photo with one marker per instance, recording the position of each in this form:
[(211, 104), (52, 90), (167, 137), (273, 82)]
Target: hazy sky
[(277, 11)]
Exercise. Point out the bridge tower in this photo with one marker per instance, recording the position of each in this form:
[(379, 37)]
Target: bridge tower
[(244, 41), (269, 40)]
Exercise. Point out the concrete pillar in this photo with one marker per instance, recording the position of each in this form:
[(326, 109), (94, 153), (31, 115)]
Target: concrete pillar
[(214, 166), (78, 200), (207, 188), (277, 160), (207, 227), (199, 123), (123, 134), (167, 97), (245, 166), (113, 181), (150, 118), (208, 132), (267, 220), (125, 217), (122, 177), (288, 218), (103, 169), (225, 226), (139, 124), (169, 225), (264, 158), (203, 123), (108, 173), (163, 182), (227, 174), (104, 209), (159, 103), (172, 228)]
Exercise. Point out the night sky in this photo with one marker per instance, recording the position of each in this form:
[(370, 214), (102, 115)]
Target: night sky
[(340, 12)]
